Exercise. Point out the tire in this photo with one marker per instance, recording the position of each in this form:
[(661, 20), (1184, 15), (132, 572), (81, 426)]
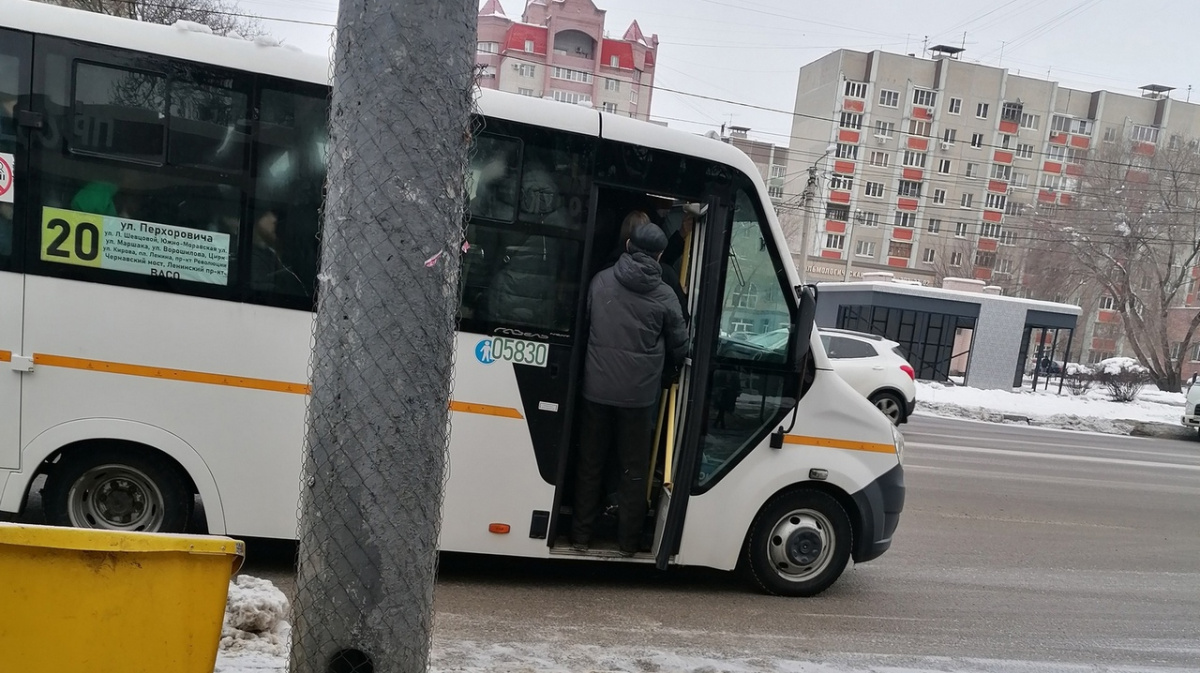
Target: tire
[(115, 489), (817, 530), (890, 405)]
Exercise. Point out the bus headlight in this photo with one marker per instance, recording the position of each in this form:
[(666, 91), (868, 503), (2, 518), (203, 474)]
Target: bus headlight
[(898, 440)]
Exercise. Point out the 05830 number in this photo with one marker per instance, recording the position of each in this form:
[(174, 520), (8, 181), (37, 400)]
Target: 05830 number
[(519, 351)]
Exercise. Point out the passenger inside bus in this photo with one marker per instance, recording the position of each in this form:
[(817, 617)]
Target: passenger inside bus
[(670, 275), (268, 272)]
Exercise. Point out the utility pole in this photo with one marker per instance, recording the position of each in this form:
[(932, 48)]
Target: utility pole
[(806, 200), (378, 423), (857, 217)]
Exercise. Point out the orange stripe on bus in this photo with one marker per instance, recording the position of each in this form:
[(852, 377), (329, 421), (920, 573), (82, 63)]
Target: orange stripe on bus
[(170, 374), (485, 409), (5, 356), (829, 443)]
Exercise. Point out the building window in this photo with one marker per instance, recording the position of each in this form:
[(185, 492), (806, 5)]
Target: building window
[(873, 189), (1006, 142), (1014, 209), (880, 159), (1106, 303), (909, 188), (935, 226), (1056, 153), (955, 106), (900, 249), (845, 151), (851, 120), (775, 192), (924, 97), (841, 181), (976, 140), (609, 107), (1024, 151), (834, 241), (487, 47), (944, 166), (864, 249), (525, 92), (949, 136), (526, 70), (1060, 124), (856, 89), (614, 62), (611, 84), (487, 72), (1004, 265), (1030, 121), (571, 75), (927, 257), (889, 98), (1010, 112), (1020, 180), (1144, 134), (529, 46), (1053, 183), (837, 211), (916, 127), (1110, 134), (956, 259), (1083, 127), (989, 230), (981, 111), (972, 170), (914, 159), (633, 95), (571, 97), (904, 219), (778, 171), (966, 200), (884, 129), (1008, 237), (961, 229), (1001, 172), (1076, 155), (985, 258), (939, 196), (870, 219)]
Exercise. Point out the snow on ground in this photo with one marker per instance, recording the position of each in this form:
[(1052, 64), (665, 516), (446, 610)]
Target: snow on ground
[(1092, 411), (256, 635)]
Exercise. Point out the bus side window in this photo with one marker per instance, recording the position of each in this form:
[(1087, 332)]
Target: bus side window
[(9, 72), (289, 186), (525, 273)]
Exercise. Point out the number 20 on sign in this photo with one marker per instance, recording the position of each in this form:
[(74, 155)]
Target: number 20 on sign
[(70, 237)]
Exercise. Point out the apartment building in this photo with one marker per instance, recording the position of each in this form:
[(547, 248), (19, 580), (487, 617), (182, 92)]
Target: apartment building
[(941, 167), (559, 50)]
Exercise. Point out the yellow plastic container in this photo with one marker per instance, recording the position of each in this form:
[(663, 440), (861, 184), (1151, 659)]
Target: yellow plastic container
[(90, 601)]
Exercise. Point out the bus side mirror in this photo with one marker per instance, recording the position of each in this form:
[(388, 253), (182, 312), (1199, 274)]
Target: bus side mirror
[(803, 326)]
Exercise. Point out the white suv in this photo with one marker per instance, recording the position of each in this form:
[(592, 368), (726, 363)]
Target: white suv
[(876, 368)]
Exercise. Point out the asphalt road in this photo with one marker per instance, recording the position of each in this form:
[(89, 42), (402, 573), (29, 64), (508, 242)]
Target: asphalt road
[(1019, 550)]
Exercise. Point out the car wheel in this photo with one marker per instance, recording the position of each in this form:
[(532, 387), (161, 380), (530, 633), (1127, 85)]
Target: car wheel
[(799, 544), (891, 405), (114, 489)]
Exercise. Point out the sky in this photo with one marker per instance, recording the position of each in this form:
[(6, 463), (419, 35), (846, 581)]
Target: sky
[(736, 61)]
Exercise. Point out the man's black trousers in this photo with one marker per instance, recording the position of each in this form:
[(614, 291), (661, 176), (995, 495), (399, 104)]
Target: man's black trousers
[(630, 433)]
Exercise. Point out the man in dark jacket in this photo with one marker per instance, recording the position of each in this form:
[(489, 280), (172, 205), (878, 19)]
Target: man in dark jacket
[(635, 325)]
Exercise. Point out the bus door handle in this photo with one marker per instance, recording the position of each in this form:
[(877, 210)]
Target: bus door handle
[(21, 363)]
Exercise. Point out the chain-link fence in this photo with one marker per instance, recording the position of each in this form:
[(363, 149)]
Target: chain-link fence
[(384, 336)]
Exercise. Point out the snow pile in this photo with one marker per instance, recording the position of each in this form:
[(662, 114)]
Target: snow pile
[(1116, 366), (1093, 411), (256, 618)]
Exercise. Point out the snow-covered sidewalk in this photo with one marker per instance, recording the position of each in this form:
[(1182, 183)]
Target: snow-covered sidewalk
[(1092, 411)]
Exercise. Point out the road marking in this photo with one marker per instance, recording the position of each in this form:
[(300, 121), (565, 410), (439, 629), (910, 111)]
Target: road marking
[(1054, 456), (1027, 442)]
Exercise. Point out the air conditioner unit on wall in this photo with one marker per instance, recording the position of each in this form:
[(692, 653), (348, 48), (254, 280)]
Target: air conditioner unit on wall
[(881, 139), (946, 146)]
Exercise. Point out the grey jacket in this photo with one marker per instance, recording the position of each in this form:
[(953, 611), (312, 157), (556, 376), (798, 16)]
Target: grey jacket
[(635, 323)]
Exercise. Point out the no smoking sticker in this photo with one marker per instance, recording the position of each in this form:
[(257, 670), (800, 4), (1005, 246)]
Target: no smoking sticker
[(6, 178)]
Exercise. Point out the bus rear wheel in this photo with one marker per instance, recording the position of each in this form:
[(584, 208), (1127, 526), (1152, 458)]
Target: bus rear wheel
[(799, 543), (115, 489)]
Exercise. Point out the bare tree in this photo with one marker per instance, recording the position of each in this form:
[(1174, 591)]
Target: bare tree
[(223, 16), (1134, 229)]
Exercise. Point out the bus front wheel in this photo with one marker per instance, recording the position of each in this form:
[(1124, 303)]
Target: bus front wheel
[(799, 543), (115, 489)]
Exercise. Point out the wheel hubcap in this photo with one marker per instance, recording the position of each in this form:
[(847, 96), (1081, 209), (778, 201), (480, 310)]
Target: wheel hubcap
[(115, 497), (801, 545), (889, 408)]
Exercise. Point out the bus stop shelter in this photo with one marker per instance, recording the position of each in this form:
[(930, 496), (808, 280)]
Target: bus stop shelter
[(963, 329)]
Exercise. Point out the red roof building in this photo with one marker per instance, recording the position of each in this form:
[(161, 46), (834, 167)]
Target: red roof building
[(558, 50)]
